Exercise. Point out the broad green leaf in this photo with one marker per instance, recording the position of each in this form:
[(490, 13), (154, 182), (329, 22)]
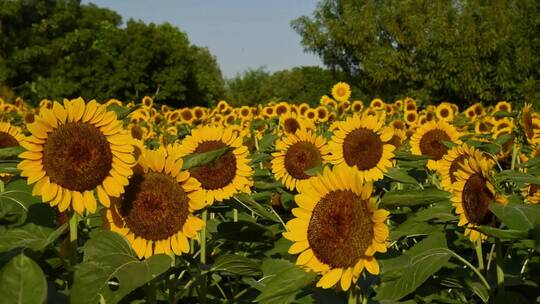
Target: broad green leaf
[(15, 202), (412, 228), (201, 159), (441, 212), (11, 152), (314, 171), (267, 186), (532, 163), (282, 281), (267, 142), (503, 139), (505, 234), (500, 114), (22, 281), (517, 216), (111, 270), (400, 175), (403, 274), (521, 179), (414, 197), (261, 210), (236, 264), (480, 290), (30, 236)]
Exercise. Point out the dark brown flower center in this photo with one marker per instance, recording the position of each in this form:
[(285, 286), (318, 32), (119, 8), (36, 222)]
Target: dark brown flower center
[(411, 117), (300, 157), (6, 140), (456, 165), (362, 148), (187, 115), (533, 189), (503, 107), (77, 156), (291, 125), (155, 206), (432, 145), (395, 141), (444, 113), (321, 113), (281, 109), (476, 198), (218, 173), (136, 132), (340, 229)]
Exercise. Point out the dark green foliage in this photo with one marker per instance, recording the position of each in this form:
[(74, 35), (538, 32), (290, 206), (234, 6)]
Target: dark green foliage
[(462, 50), (55, 49)]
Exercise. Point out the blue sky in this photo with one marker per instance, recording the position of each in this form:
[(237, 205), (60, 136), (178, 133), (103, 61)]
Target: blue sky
[(242, 34)]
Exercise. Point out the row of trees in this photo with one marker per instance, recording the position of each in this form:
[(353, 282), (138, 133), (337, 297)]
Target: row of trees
[(54, 49), (458, 50)]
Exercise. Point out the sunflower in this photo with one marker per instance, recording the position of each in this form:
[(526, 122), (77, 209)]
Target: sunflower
[(311, 115), (269, 111), (357, 106), (10, 136), (222, 106), (341, 91), (147, 102), (229, 174), (503, 106), (291, 122), (156, 212), (483, 126), (199, 113), (337, 228), (363, 143), (428, 140), (528, 122), (245, 113), (531, 194), (303, 108), (473, 192), (445, 112), (74, 151), (410, 117), (186, 116), (452, 161), (282, 108), (295, 154), (377, 104), (322, 113)]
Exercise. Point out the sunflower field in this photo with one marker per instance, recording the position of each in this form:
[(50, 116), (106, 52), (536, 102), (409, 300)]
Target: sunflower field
[(344, 202)]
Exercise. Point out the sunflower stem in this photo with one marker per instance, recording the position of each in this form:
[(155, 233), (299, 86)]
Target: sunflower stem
[(203, 238), (352, 296), (235, 215), (514, 155), (499, 260), (479, 254), (73, 223)]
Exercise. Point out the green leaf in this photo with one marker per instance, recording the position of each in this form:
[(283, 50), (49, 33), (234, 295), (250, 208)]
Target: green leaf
[(15, 202), (480, 290), (411, 228), (521, 179), (441, 212), (282, 282), (30, 236), (121, 112), (11, 152), (201, 159), (244, 231), (267, 142), (236, 264), (401, 175), (505, 234), (267, 186), (414, 197), (9, 167), (404, 274), (409, 157), (314, 171), (22, 281), (261, 210), (111, 270), (517, 216), (503, 139)]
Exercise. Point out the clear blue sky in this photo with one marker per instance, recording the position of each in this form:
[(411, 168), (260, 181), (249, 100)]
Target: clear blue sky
[(242, 34)]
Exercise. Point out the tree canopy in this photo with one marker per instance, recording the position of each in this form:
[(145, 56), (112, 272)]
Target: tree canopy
[(61, 48), (460, 50)]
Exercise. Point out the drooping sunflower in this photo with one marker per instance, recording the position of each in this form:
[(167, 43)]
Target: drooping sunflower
[(10, 136), (295, 154), (74, 151), (337, 228), (453, 160), (473, 192), (428, 140), (341, 91), (363, 143), (229, 174), (156, 212)]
